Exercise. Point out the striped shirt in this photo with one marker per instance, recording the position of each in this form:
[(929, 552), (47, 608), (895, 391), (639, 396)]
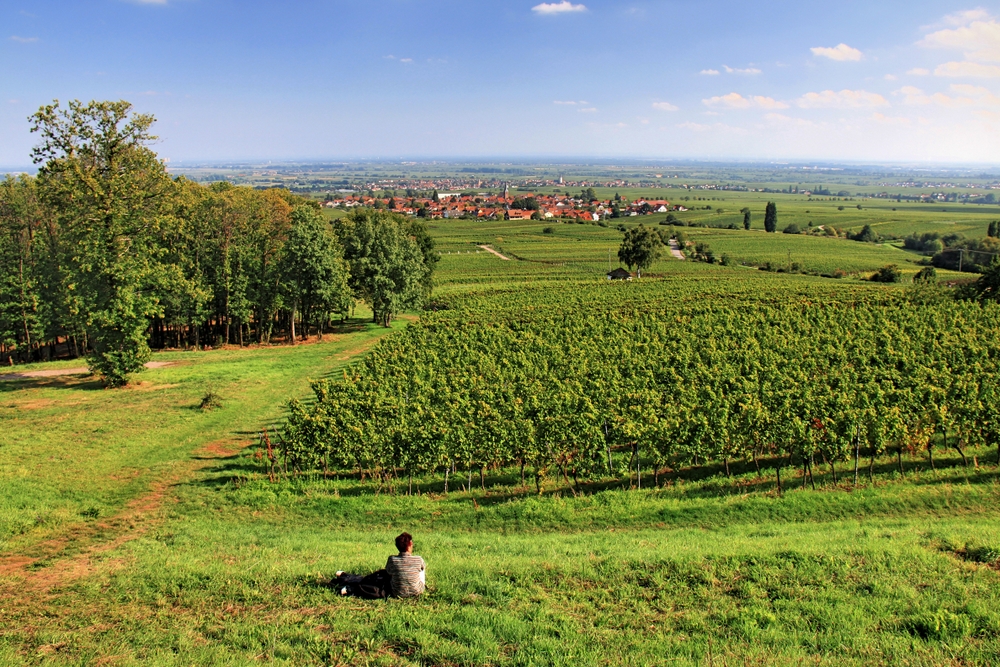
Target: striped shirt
[(408, 574)]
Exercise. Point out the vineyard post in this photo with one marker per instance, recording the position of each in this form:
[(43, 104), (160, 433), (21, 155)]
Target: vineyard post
[(607, 445), (638, 468), (857, 452)]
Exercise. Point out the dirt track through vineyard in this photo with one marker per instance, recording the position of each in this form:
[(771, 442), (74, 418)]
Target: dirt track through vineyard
[(489, 249)]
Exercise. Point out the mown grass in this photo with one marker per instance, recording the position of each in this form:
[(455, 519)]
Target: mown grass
[(231, 568), (236, 573), (71, 450)]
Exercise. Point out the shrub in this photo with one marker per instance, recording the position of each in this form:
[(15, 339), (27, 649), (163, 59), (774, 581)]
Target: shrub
[(727, 260), (840, 273), (840, 208), (549, 230), (210, 401), (792, 229), (928, 274), (866, 235), (889, 273)]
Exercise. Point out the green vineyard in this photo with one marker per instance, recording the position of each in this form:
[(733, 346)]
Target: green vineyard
[(595, 380)]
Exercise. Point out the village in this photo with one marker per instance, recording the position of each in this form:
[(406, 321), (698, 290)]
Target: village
[(585, 207)]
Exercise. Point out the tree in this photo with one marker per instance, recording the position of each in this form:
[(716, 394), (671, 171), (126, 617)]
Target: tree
[(436, 198), (640, 248), (993, 230), (387, 267), (314, 276), (746, 218), (110, 195), (889, 273), (987, 287), (770, 217), (866, 235), (22, 305), (791, 229)]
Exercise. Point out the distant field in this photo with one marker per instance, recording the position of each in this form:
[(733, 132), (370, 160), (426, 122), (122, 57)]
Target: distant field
[(593, 250)]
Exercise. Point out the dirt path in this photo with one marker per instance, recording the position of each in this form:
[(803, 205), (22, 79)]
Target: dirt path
[(75, 552), (80, 370), (675, 250), (489, 249)]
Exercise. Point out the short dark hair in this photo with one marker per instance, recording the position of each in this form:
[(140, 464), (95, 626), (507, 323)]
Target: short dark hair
[(404, 541)]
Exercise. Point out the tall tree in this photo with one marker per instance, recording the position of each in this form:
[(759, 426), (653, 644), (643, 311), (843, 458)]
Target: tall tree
[(771, 217), (386, 264), (640, 248), (22, 318), (746, 217), (110, 196), (315, 278)]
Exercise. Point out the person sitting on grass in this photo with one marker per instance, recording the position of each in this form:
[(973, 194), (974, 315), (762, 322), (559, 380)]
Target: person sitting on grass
[(404, 576)]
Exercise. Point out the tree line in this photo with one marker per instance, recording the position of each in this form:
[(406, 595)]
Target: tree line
[(104, 254)]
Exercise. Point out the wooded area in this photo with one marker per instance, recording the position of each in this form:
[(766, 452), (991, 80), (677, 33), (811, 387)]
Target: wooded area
[(104, 254)]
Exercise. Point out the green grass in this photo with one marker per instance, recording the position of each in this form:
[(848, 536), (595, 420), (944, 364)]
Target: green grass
[(73, 450), (151, 541)]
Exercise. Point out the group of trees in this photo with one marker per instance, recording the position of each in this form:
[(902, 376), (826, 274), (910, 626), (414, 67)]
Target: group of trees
[(103, 253), (662, 378)]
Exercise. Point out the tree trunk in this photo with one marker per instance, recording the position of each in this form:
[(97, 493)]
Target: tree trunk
[(292, 337), (777, 472), (446, 470), (899, 459)]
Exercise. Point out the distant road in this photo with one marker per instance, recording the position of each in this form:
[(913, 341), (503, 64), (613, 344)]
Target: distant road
[(675, 249)]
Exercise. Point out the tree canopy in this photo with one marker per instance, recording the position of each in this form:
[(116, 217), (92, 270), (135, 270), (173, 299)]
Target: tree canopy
[(640, 248)]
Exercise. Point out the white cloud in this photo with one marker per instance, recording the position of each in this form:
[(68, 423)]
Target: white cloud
[(709, 72), (841, 52), (966, 17), (664, 106), (737, 101), (845, 99), (23, 40), (697, 127), (588, 110), (963, 95), (736, 70), (564, 7), (918, 71), (890, 77), (406, 60), (570, 102), (967, 69), (978, 36)]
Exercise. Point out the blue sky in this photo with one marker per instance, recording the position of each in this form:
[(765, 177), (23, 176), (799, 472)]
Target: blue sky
[(713, 79)]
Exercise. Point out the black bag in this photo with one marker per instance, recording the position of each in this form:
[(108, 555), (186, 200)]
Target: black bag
[(375, 586)]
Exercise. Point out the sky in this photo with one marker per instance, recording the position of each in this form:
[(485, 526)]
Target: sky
[(231, 80)]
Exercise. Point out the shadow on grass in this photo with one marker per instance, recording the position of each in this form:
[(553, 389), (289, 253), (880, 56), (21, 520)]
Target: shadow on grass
[(704, 482), (78, 382)]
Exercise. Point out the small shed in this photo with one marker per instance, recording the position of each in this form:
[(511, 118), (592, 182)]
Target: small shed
[(619, 274)]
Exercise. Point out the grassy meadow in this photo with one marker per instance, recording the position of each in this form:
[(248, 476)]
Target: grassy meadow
[(136, 528)]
